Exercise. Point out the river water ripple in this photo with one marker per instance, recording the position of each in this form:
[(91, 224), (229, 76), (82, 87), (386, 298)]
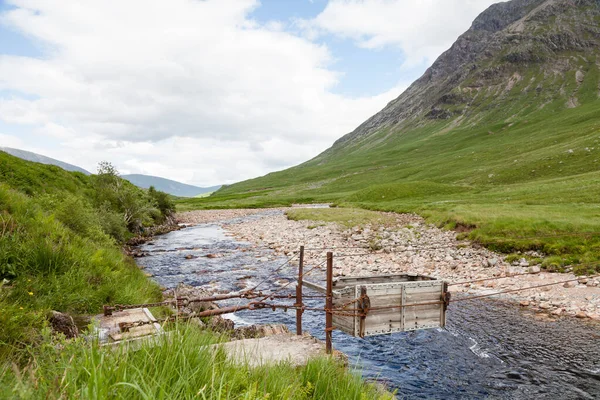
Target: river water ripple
[(489, 349)]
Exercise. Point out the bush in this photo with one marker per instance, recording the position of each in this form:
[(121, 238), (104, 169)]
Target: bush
[(162, 201)]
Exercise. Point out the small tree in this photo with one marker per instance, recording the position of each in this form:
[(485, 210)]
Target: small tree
[(121, 196)]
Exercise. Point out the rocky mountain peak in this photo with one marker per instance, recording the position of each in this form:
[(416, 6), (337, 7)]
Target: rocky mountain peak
[(545, 40)]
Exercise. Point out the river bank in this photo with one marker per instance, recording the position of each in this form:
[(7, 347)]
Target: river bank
[(405, 243)]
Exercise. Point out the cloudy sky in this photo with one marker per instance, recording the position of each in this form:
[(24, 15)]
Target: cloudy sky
[(208, 91)]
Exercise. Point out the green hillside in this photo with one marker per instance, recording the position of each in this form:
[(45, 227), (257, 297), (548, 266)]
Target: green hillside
[(501, 136), (60, 244)]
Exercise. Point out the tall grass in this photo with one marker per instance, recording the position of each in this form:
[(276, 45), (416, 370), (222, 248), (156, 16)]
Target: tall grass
[(182, 365)]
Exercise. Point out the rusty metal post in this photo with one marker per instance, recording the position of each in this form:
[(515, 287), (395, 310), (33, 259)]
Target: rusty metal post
[(299, 300), (364, 304), (329, 304)]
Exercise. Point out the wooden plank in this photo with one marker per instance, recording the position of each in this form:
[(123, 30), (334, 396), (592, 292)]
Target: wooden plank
[(373, 279)]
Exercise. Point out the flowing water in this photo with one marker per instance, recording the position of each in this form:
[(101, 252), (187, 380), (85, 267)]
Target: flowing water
[(489, 349)]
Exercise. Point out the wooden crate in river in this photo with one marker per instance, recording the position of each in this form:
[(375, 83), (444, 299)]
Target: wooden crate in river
[(393, 303)]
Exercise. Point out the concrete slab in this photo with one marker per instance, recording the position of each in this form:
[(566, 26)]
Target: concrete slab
[(274, 349)]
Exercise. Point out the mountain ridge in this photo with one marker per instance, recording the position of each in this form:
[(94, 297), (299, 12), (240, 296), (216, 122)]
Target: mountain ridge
[(508, 24), (167, 185), (34, 157)]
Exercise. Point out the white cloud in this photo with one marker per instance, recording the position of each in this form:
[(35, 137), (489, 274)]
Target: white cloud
[(10, 141), (190, 90), (421, 29), (198, 91)]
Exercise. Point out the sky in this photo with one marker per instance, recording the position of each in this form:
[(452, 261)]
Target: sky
[(209, 92)]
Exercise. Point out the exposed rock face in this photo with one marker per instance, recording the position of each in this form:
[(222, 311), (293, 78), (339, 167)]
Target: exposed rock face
[(540, 38)]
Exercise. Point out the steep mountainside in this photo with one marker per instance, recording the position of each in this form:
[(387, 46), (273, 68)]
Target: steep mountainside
[(29, 156), (540, 47), (501, 135), (168, 186)]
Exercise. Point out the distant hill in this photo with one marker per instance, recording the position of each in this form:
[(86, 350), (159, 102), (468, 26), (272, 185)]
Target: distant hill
[(168, 186), (29, 156)]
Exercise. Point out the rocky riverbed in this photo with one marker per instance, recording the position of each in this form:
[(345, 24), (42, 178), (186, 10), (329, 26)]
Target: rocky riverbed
[(409, 245)]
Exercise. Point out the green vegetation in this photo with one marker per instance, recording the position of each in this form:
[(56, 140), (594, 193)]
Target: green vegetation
[(517, 177), (179, 366), (60, 249), (60, 239)]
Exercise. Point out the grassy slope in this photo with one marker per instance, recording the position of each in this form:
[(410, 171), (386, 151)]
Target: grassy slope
[(515, 170), (54, 252)]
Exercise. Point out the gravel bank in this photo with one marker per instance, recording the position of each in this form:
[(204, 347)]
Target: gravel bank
[(411, 245)]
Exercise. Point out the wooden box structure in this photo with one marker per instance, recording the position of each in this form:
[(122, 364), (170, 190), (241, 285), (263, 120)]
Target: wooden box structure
[(394, 303)]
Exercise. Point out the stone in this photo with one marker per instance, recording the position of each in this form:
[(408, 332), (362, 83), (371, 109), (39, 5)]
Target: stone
[(569, 285), (535, 269), (581, 314), (63, 323), (523, 262), (524, 303), (220, 324), (558, 311), (448, 258)]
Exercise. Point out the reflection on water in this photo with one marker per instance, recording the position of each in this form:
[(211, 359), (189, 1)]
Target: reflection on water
[(488, 350)]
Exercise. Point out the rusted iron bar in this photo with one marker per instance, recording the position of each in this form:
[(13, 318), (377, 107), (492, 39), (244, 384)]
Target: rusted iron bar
[(446, 299), (364, 303), (108, 310), (329, 304), (245, 295), (229, 310), (180, 302), (299, 300)]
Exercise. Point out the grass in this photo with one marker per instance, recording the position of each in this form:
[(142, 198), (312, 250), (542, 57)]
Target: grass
[(60, 248), (47, 265), (202, 195), (347, 217), (519, 175), (179, 366)]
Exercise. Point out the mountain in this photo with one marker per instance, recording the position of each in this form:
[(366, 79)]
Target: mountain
[(541, 48), (501, 135), (168, 186), (495, 108), (29, 156)]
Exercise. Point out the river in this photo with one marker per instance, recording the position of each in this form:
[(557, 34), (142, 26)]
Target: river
[(489, 349)]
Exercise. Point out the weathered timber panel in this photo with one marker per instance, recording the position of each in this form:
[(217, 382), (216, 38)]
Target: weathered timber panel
[(394, 306), (372, 279), (396, 303), (342, 298)]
